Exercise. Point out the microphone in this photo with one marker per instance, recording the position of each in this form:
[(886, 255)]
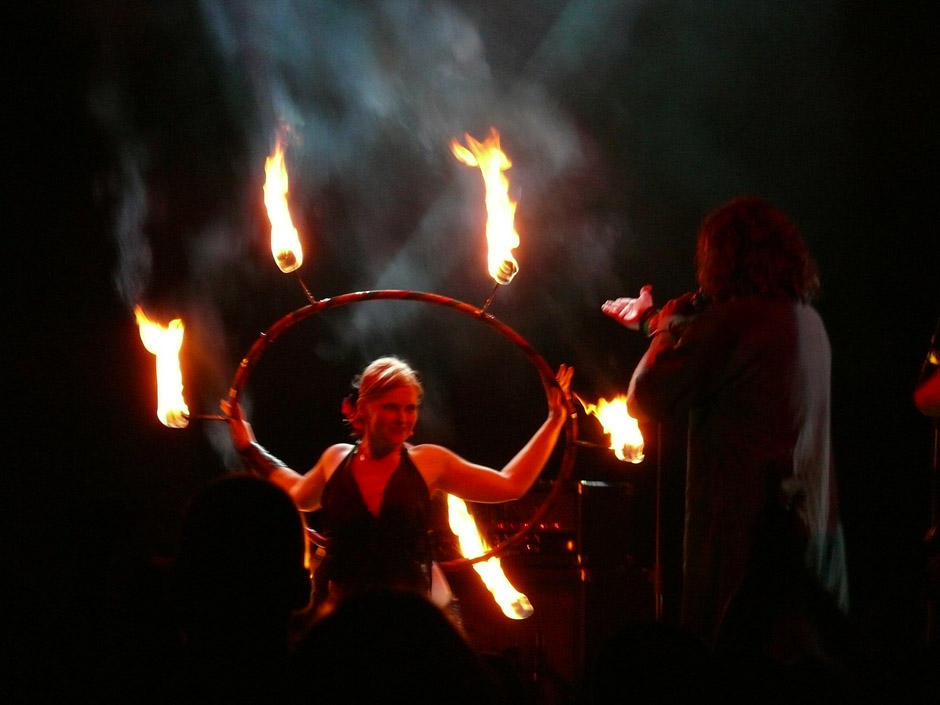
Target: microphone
[(687, 305), (690, 304)]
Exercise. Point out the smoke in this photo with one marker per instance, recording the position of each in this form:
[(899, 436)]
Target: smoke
[(134, 251), (367, 98)]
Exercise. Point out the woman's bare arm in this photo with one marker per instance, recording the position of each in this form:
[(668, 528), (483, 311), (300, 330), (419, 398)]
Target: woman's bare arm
[(447, 471)]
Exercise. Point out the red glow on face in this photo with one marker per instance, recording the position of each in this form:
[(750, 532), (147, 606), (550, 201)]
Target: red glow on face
[(391, 417)]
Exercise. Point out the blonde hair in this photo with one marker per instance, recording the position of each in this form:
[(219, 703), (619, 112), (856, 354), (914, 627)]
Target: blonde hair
[(379, 376)]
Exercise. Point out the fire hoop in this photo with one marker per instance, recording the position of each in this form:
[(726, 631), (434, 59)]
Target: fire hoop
[(545, 372)]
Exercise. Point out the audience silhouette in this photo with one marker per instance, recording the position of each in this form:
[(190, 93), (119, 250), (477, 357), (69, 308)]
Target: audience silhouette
[(395, 646), (651, 662), (239, 576)]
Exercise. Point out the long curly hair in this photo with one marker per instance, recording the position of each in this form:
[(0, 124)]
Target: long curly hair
[(379, 376), (748, 247)]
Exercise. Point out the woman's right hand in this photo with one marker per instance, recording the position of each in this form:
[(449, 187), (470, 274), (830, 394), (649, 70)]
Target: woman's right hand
[(242, 434)]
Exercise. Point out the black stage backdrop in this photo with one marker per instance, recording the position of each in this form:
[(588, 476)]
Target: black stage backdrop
[(136, 139)]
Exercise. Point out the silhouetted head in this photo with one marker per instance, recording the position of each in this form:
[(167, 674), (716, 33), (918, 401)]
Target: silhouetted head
[(403, 648), (651, 662), (747, 247), (242, 554)]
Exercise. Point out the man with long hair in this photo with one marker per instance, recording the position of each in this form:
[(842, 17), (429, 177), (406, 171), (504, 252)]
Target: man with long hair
[(747, 359)]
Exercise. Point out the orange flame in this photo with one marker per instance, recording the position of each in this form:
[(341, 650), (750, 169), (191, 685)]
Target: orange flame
[(285, 243), (501, 235), (626, 439), (165, 344), (513, 603)]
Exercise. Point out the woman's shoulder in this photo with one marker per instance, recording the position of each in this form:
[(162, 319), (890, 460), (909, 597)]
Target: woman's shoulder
[(431, 460), (334, 455), (428, 450), (330, 459)]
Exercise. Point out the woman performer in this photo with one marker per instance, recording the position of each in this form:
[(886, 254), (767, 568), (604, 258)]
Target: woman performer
[(375, 494)]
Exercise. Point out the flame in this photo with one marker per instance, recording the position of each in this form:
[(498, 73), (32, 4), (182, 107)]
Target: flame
[(626, 440), (513, 603), (501, 235), (165, 344), (285, 243)]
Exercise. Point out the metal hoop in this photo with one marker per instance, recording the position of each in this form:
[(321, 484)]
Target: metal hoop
[(545, 372)]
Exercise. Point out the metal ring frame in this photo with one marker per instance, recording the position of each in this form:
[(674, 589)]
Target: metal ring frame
[(547, 374)]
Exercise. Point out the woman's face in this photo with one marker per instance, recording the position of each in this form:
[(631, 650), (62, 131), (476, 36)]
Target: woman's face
[(391, 417)]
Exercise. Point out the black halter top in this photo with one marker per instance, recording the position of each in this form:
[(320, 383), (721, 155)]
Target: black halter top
[(388, 550)]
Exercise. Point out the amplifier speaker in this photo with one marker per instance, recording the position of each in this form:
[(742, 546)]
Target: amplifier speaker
[(615, 545), (586, 573)]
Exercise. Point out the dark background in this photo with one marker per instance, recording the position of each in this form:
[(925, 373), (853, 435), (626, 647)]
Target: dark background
[(136, 140)]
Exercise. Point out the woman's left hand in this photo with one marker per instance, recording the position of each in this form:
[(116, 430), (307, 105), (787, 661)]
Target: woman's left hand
[(559, 398)]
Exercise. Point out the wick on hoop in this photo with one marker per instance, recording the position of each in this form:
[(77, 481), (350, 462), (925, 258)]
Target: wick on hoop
[(306, 290), (490, 300), (207, 417), (590, 444)]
